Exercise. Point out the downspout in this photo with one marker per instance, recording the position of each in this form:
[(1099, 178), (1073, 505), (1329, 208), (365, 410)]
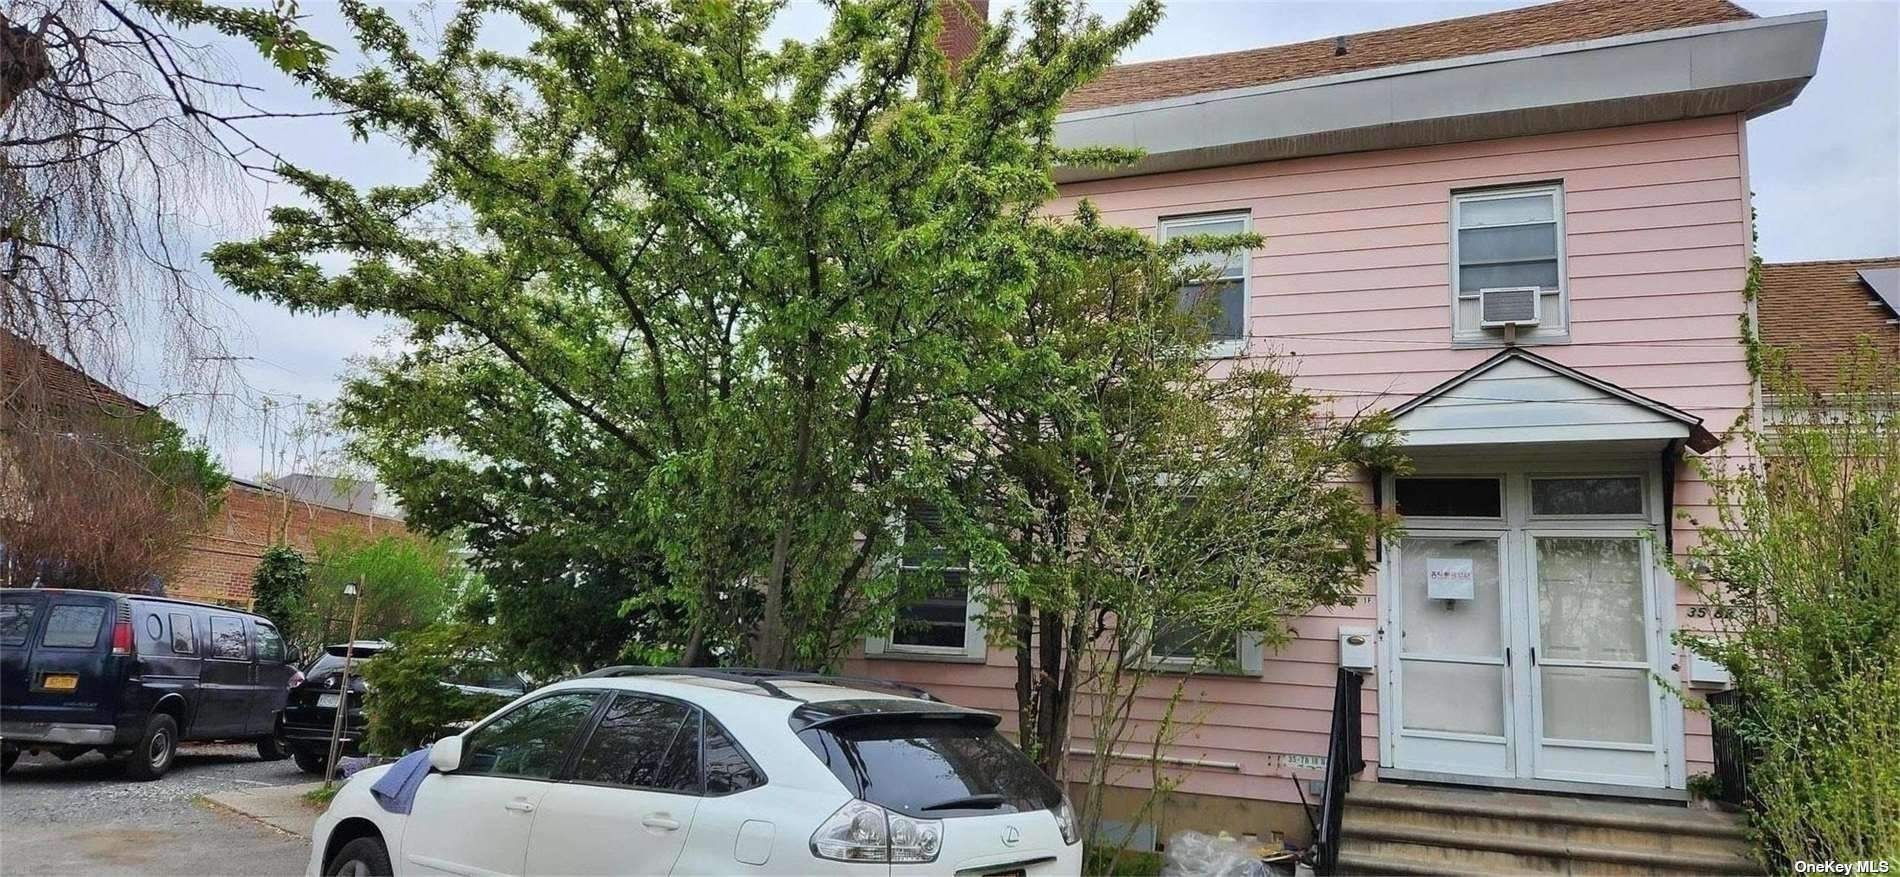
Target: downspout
[(1378, 506), (1670, 453)]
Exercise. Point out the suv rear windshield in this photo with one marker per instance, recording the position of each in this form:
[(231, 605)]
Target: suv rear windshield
[(932, 768), (332, 662)]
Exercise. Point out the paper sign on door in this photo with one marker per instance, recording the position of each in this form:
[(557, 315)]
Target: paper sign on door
[(1448, 578)]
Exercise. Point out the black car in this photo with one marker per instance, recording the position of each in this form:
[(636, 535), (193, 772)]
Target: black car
[(134, 676), (310, 715)]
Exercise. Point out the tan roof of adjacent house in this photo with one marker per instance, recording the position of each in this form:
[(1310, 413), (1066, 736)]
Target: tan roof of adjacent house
[(1562, 22), (1817, 311)]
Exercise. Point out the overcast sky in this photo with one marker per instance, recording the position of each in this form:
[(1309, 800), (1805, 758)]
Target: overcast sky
[(1825, 171)]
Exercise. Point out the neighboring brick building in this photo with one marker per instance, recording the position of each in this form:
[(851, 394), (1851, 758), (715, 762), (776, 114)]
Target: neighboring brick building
[(219, 564)]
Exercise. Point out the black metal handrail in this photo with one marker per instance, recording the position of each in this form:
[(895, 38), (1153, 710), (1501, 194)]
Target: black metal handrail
[(1731, 751), (1344, 759)]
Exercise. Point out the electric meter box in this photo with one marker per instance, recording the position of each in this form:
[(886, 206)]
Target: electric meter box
[(1356, 649)]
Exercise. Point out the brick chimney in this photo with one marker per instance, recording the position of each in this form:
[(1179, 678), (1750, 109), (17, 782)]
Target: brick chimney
[(960, 33)]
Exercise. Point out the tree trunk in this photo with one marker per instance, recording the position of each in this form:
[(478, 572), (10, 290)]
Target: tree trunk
[(773, 647), (1026, 676), (1048, 746), (23, 62)]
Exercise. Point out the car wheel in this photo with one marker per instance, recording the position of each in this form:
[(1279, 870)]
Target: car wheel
[(363, 857), (272, 748), (156, 749), (307, 761), (7, 758)]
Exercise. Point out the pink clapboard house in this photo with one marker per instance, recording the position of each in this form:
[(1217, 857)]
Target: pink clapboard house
[(1528, 234)]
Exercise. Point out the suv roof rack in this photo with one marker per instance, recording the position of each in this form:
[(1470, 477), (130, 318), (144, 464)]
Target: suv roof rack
[(761, 678)]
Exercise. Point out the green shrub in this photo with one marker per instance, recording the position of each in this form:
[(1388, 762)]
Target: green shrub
[(407, 582), (1802, 567), (409, 703), (279, 586)]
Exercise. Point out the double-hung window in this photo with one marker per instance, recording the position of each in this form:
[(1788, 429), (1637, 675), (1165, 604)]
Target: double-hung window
[(1509, 241), (1185, 645), (944, 620), (1220, 290)]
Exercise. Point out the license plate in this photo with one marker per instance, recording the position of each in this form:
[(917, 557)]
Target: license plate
[(328, 700), (60, 681)]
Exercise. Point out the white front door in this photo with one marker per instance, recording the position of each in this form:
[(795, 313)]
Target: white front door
[(1523, 628)]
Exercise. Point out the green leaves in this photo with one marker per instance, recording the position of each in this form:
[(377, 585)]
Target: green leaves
[(686, 314)]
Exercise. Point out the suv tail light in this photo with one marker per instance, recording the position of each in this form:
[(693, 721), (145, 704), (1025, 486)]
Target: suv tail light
[(864, 832), (122, 637), (1065, 820)]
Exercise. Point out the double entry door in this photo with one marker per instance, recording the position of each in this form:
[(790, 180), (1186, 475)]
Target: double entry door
[(1523, 644)]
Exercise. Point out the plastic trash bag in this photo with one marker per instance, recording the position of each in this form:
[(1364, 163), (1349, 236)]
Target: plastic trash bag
[(1193, 854)]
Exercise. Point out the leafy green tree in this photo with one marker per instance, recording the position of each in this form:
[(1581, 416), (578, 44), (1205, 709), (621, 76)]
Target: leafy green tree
[(409, 702), (280, 584), (690, 315), (406, 583), (1130, 491), (1801, 567)]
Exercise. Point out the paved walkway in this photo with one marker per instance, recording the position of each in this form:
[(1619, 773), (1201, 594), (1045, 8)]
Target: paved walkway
[(280, 807)]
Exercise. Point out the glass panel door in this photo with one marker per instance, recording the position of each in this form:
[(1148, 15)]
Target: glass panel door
[(1595, 698), (1454, 694)]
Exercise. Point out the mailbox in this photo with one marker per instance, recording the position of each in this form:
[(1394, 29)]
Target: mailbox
[(1356, 648)]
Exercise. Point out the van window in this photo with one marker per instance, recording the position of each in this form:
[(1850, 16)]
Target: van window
[(184, 639), (227, 638), (71, 626), (270, 646), (16, 622)]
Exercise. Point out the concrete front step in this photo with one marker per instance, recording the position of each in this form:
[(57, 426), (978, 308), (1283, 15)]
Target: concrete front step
[(1596, 812), (1518, 854), (1392, 828)]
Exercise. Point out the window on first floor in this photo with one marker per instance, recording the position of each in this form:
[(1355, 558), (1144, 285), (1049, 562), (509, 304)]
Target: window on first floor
[(1185, 645), (1507, 258), (941, 619)]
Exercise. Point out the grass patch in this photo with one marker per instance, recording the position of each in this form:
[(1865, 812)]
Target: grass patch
[(1134, 863), (321, 795)]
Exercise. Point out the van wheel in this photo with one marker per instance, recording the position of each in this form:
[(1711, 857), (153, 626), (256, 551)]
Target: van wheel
[(272, 748), (363, 857), (7, 758), (152, 756), (307, 761)]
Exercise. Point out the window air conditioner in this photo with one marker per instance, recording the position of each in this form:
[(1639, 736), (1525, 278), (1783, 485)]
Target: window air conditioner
[(1508, 306)]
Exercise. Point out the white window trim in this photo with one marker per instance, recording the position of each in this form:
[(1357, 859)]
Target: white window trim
[(975, 637), (1168, 226), (1478, 337)]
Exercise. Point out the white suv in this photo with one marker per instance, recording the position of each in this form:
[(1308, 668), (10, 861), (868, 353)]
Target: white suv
[(638, 770)]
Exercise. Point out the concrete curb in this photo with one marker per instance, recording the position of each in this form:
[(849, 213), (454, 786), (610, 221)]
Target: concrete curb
[(280, 807)]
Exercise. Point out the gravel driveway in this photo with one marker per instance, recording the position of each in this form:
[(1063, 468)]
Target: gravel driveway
[(83, 818)]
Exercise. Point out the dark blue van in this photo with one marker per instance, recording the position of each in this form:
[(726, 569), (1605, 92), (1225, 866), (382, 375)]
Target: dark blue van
[(134, 676)]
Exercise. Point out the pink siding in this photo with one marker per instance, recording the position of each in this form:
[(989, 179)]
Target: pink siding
[(1352, 283)]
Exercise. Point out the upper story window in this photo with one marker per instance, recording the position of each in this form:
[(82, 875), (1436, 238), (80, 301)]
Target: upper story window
[(1507, 265), (1224, 296)]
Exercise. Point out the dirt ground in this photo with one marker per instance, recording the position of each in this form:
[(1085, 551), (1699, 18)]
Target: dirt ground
[(83, 818)]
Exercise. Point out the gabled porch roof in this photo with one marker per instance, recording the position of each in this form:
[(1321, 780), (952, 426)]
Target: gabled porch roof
[(1520, 398)]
